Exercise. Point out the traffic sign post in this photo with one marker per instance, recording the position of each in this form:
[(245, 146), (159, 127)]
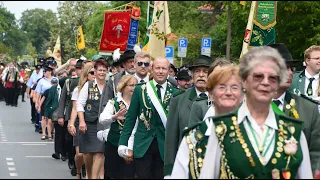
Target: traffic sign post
[(170, 53), (182, 48), (206, 46)]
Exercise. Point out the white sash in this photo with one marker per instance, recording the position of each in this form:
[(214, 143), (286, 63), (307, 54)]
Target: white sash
[(157, 105)]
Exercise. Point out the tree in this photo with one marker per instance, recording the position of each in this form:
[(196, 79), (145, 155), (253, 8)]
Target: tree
[(36, 23)]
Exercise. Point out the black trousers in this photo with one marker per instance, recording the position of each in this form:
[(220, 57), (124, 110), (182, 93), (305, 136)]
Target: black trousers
[(33, 111), (23, 90), (150, 166), (63, 142), (1, 92), (59, 139), (11, 96)]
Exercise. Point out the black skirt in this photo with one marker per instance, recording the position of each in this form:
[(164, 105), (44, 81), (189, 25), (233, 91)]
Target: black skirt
[(115, 166), (89, 142)]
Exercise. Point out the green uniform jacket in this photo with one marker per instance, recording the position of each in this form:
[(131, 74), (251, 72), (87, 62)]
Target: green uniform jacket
[(198, 111), (138, 109), (309, 114), (238, 156), (298, 82), (178, 120)]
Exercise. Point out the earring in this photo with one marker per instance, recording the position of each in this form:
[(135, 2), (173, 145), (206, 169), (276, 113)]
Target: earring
[(243, 90)]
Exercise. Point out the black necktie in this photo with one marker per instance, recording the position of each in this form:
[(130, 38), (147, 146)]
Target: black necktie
[(141, 81), (277, 102), (203, 95), (309, 89), (159, 91)]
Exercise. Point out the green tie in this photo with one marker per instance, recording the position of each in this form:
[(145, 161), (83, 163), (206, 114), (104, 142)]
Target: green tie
[(309, 89), (203, 95), (159, 91)]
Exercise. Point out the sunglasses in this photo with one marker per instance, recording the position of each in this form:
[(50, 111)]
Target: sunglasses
[(259, 77), (146, 64), (91, 72)]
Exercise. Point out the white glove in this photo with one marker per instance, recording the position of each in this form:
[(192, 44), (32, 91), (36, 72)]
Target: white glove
[(100, 135), (105, 134), (123, 151), (167, 177)]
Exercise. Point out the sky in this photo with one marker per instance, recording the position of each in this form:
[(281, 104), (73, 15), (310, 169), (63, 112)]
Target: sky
[(17, 7)]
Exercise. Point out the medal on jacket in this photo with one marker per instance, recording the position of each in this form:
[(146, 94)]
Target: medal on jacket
[(286, 173), (89, 107), (96, 97), (275, 174)]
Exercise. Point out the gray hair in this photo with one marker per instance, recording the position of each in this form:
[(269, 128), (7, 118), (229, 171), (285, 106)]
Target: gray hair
[(142, 54), (253, 56)]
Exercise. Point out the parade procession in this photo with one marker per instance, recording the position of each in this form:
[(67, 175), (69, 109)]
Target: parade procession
[(160, 90)]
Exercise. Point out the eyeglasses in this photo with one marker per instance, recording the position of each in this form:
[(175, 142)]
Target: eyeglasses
[(224, 88), (146, 64), (91, 72), (316, 58), (259, 77)]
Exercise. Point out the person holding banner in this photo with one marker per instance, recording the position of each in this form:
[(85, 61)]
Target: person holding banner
[(149, 103)]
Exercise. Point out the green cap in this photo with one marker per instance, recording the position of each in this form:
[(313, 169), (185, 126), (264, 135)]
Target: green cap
[(96, 57)]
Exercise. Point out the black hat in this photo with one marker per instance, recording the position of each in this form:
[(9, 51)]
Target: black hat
[(183, 74), (127, 55), (38, 66), (201, 60), (50, 58), (52, 63), (117, 63), (47, 68), (174, 68), (79, 63), (41, 60), (282, 49)]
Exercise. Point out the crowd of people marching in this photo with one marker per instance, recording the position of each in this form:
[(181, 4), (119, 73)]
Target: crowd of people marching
[(143, 118)]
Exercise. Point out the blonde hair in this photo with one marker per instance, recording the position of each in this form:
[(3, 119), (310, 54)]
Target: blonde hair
[(124, 82), (142, 54), (222, 75), (84, 75), (308, 51)]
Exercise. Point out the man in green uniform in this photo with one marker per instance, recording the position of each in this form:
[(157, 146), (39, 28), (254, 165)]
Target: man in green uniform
[(307, 110), (150, 105), (180, 107), (307, 81)]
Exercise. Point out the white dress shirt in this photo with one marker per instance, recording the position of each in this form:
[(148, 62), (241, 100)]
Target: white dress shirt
[(211, 164), (83, 97), (281, 99), (198, 93), (315, 84), (146, 79), (181, 164), (162, 89)]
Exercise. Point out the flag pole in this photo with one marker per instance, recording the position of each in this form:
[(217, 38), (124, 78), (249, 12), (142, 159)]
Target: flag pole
[(248, 31)]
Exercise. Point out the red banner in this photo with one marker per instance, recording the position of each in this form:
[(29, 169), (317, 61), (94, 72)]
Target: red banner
[(115, 31)]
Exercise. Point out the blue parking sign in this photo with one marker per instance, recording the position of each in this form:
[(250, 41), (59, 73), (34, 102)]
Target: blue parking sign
[(206, 42), (183, 42), (169, 52)]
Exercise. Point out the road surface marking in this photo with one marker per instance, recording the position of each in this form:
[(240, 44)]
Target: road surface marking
[(12, 168), (33, 144), (9, 159), (13, 174), (10, 163)]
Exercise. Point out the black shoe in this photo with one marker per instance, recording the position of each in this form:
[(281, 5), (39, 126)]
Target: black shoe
[(73, 171), (23, 100), (70, 164), (40, 131), (84, 171), (56, 155), (63, 158), (7, 104), (36, 130)]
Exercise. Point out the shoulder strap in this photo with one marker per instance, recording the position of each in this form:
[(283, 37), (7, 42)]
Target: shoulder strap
[(67, 84)]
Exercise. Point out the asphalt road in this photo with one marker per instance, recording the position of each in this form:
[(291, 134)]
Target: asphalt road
[(23, 155)]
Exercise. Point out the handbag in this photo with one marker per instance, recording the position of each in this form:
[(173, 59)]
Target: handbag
[(55, 116)]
